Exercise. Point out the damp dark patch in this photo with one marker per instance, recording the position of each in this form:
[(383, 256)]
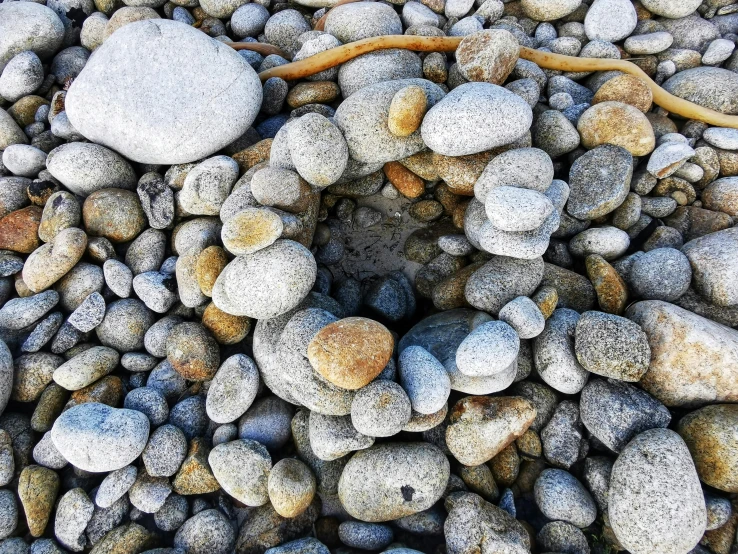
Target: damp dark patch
[(407, 492)]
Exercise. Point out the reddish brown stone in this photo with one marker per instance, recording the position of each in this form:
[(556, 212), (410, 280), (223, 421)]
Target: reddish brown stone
[(19, 230)]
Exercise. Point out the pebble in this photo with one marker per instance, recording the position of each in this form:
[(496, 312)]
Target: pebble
[(115, 485), (37, 490), (362, 20), (541, 10), (560, 496), (524, 316), (9, 511), (424, 379), (618, 124), (380, 409), (291, 486), (407, 110), (712, 266), (73, 513), (242, 468), (368, 487), (594, 192), (233, 389), (481, 427), (526, 168), (697, 83), (51, 261), (89, 314), (488, 56), (98, 438), (86, 368), (207, 532), (150, 402), (207, 185), (554, 353), (125, 324), (489, 349), (367, 536), (600, 25), (104, 168), (268, 422), (666, 515), (19, 313), (447, 127), (661, 274), (193, 352), (721, 137), (23, 21)]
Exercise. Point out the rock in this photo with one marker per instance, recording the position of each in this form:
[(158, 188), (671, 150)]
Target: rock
[(97, 438), (288, 276), (318, 149), (488, 56), (380, 409), (554, 353), (628, 90), (367, 536), (502, 279), (157, 86), (37, 490), (615, 412), (208, 184), (115, 485), (447, 126), (407, 110), (291, 487), (207, 532), (424, 379), (560, 496), (194, 475), (165, 451), (18, 313), (563, 439), (31, 27), (368, 488), (241, 468), (526, 168), (50, 262), (474, 525), (712, 267), (480, 426), (193, 352), (617, 124), (660, 274), (600, 25), (611, 346), (333, 437), (523, 315), (699, 84), (266, 528), (85, 168), (351, 352), (233, 389), (670, 8), (86, 368), (515, 209), (307, 545), (655, 500), (594, 193), (703, 343), (9, 511), (125, 324), (489, 349), (363, 20), (540, 10), (72, 515), (668, 158), (707, 433), (367, 130), (125, 539)]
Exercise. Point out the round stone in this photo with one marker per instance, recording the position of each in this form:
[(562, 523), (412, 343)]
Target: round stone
[(393, 480), (242, 468), (660, 274), (233, 389), (225, 96), (406, 111), (361, 20), (424, 379), (560, 496), (380, 409), (489, 349), (545, 10), (488, 56), (115, 214), (31, 27), (246, 232), (97, 438), (599, 23), (351, 352), (291, 487), (318, 149), (517, 209), (619, 124), (193, 352), (673, 9)]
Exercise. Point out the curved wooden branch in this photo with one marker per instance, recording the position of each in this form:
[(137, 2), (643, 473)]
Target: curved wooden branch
[(546, 60)]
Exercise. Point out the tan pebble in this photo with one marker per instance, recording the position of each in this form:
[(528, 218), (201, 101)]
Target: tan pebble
[(448, 199), (487, 56), (422, 165), (506, 465), (316, 92), (710, 434), (480, 427), (226, 328), (115, 214), (210, 263), (21, 288), (37, 489), (480, 480), (406, 111), (426, 210), (449, 293), (24, 110), (612, 292), (250, 230), (126, 539), (291, 487), (19, 230), (193, 352), (404, 180), (626, 89), (546, 298), (125, 15), (50, 405), (194, 475), (461, 172), (108, 390), (254, 154), (619, 124), (674, 185), (529, 445), (50, 262), (351, 352)]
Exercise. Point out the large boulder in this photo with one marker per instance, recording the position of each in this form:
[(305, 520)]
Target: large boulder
[(162, 92)]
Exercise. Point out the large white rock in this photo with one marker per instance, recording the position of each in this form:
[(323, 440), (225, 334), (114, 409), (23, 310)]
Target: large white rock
[(28, 26), (475, 117), (656, 505), (693, 360), (162, 92)]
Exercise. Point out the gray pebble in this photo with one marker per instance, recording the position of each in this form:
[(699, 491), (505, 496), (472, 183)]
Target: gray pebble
[(560, 536), (241, 468), (660, 274), (233, 389), (86, 367), (380, 409), (207, 532), (85, 167), (89, 314), (157, 200), (172, 514), (115, 485), (563, 437), (367, 536), (125, 324), (149, 402), (18, 313), (523, 315), (488, 350), (73, 513), (319, 151), (157, 290), (268, 422), (554, 354), (146, 252), (166, 379), (377, 67), (43, 332), (148, 493), (362, 20), (332, 437), (308, 545), (599, 181), (155, 339), (8, 513), (47, 455), (249, 20), (138, 362), (190, 416), (560, 496), (596, 476), (424, 379)]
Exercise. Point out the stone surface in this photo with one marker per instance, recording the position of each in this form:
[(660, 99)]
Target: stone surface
[(156, 87), (655, 500), (711, 87)]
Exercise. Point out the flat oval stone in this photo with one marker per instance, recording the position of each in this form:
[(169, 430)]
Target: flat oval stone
[(351, 352), (84, 168), (393, 480), (137, 109), (97, 438), (51, 261), (475, 117), (268, 282), (711, 87), (242, 469), (656, 504)]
